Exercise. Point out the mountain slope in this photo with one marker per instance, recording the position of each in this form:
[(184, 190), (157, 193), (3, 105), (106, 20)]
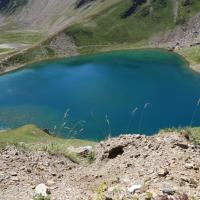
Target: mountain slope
[(131, 22), (68, 27), (29, 21), (48, 15)]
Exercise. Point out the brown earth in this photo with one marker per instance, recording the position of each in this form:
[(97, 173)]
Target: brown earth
[(126, 167)]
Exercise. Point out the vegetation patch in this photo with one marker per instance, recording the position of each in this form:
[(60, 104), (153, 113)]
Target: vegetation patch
[(114, 26), (192, 54), (32, 138), (3, 50), (111, 28), (25, 37), (195, 134)]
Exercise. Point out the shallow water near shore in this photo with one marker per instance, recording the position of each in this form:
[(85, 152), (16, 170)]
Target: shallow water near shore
[(92, 97)]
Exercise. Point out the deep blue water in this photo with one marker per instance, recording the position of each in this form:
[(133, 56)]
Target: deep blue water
[(93, 96)]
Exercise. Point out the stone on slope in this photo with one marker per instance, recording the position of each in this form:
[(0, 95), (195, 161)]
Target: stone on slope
[(41, 190), (134, 188)]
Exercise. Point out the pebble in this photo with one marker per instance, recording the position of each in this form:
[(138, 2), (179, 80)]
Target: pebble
[(167, 188), (14, 179), (163, 172), (50, 183), (13, 173), (189, 165)]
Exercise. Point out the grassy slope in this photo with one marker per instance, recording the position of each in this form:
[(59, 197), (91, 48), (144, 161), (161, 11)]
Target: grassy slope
[(106, 30), (110, 28), (106, 27), (33, 138), (32, 135), (3, 50), (10, 31), (25, 37), (192, 54), (195, 134)]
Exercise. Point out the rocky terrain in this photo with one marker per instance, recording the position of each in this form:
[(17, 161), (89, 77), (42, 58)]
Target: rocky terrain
[(161, 167)]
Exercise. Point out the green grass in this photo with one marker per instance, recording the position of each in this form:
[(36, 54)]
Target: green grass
[(192, 54), (41, 198), (33, 138), (104, 29), (26, 37), (192, 9), (3, 50), (195, 131), (110, 28)]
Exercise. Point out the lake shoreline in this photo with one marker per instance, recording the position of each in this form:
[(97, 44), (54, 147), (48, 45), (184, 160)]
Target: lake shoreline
[(193, 67)]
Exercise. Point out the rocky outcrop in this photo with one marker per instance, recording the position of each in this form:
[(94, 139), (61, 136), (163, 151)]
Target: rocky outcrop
[(164, 166)]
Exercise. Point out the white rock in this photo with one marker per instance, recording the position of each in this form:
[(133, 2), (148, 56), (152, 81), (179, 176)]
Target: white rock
[(88, 148), (189, 165), (50, 182), (137, 136), (42, 190), (134, 188)]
